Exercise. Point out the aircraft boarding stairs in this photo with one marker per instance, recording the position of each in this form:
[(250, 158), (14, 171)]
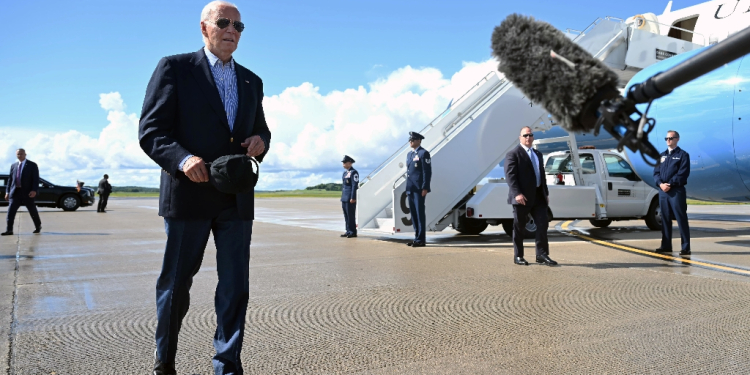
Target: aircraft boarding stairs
[(471, 137)]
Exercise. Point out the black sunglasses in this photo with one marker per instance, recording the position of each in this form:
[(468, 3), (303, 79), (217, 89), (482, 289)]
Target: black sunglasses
[(528, 135), (670, 138), (223, 23)]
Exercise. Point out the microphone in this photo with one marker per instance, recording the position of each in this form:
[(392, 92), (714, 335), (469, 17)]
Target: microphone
[(581, 92)]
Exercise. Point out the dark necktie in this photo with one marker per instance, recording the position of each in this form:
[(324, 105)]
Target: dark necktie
[(18, 175)]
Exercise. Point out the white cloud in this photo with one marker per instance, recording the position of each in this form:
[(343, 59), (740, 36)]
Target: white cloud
[(311, 131)]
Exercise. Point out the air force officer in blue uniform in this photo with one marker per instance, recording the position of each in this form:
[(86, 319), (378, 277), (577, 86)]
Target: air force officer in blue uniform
[(198, 107), (350, 183), (671, 176), (418, 176), (23, 183)]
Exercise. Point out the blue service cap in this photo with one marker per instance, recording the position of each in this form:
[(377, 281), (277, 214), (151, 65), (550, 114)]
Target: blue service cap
[(415, 136), (347, 159)]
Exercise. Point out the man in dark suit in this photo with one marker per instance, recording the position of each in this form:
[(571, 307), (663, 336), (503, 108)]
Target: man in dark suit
[(23, 183), (198, 107), (528, 193), (418, 177), (104, 190), (671, 176), (349, 185)]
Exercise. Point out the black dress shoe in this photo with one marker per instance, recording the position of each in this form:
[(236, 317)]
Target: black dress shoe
[(37, 230), (685, 252), (351, 235), (164, 368), (520, 261), (662, 250), (418, 244), (8, 233), (345, 235), (545, 259), (410, 243)]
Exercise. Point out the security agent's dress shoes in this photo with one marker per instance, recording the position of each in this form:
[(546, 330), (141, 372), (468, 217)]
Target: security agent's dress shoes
[(410, 243), (662, 250), (37, 230), (8, 233), (520, 261), (345, 235), (352, 235), (685, 252), (545, 259), (418, 244), (163, 368)]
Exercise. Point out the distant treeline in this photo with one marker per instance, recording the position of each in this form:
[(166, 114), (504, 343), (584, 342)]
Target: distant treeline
[(331, 186)]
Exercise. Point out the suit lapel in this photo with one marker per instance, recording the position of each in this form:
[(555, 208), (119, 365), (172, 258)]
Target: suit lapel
[(202, 73)]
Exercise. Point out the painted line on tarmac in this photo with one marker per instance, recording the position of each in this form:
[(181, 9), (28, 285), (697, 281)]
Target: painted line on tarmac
[(564, 227)]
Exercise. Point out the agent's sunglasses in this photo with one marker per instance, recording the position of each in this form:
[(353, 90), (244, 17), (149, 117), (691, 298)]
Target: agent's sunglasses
[(670, 138), (528, 135), (223, 23)]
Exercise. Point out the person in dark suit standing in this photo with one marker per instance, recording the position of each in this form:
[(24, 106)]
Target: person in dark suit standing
[(104, 190), (528, 193), (418, 176), (21, 189), (349, 186), (671, 176), (198, 107)]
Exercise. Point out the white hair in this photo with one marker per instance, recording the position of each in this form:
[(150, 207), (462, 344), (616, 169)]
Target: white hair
[(209, 9)]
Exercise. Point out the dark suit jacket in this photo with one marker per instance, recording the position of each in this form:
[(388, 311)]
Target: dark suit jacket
[(418, 172), (519, 174), (104, 187), (29, 179), (182, 115)]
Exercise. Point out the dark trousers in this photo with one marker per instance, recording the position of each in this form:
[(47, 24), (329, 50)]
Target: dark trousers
[(673, 205), (16, 201), (538, 211), (416, 204), (350, 210), (102, 202), (186, 242)]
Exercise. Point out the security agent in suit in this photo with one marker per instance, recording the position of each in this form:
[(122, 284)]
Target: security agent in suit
[(528, 193), (198, 107), (418, 176), (21, 189), (350, 183), (671, 176), (104, 190)]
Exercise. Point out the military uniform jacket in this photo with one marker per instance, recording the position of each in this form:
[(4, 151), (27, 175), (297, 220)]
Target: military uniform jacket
[(419, 170), (674, 169), (350, 183)]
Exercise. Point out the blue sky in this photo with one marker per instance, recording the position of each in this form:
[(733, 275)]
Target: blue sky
[(59, 56)]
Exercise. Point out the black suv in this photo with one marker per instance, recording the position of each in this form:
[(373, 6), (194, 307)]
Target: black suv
[(50, 195)]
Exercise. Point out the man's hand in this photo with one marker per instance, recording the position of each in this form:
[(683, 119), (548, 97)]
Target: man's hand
[(255, 146), (32, 194), (195, 169), (7, 197), (664, 187), (521, 199), (352, 201), (424, 192)]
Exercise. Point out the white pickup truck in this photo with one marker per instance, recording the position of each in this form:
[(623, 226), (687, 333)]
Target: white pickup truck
[(600, 187)]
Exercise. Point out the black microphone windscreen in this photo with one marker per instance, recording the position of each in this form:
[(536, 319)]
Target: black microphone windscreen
[(571, 94)]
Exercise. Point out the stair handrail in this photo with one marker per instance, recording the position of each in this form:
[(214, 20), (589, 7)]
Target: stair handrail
[(431, 124)]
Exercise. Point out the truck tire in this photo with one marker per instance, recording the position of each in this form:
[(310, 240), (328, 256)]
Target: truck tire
[(471, 226), (600, 223), (70, 202), (528, 232), (653, 217)]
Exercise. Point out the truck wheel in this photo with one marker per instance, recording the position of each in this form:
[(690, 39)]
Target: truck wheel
[(600, 223), (471, 226), (653, 217), (70, 202), (528, 232)]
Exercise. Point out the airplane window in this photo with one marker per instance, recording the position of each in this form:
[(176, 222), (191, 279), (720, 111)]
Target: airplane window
[(617, 167)]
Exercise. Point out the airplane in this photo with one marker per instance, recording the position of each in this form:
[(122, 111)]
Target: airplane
[(711, 113)]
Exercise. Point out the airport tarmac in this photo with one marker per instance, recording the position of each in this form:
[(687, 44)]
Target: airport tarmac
[(79, 297)]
